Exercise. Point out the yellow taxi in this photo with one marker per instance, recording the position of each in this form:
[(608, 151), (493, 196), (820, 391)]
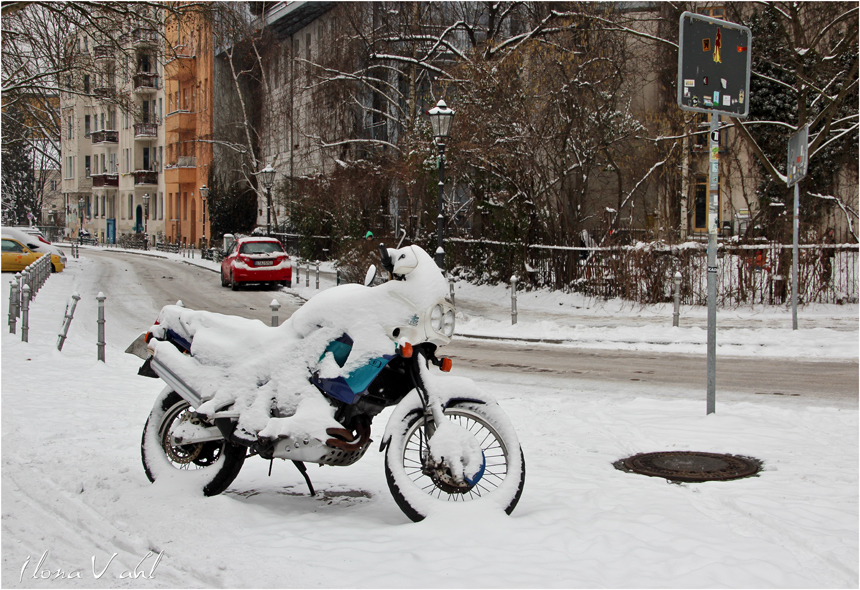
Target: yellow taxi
[(17, 256)]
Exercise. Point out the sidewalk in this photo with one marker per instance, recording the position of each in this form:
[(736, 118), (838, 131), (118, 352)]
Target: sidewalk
[(827, 331)]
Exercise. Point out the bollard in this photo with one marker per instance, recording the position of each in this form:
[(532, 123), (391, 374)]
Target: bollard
[(318, 276), (19, 278), (13, 305), (513, 299), (25, 313), (677, 314), (67, 319), (100, 344), (337, 277), (451, 289), (307, 274), (275, 307), (26, 281), (296, 274)]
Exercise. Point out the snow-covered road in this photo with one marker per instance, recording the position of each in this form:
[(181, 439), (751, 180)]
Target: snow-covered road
[(74, 491)]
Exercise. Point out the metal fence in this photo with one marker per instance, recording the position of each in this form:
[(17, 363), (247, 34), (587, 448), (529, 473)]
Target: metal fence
[(748, 273)]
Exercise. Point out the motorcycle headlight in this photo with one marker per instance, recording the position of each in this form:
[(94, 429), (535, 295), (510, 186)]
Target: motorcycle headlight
[(437, 315), (448, 323)]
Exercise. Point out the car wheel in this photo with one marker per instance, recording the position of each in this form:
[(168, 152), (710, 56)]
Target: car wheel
[(233, 284), (224, 282)]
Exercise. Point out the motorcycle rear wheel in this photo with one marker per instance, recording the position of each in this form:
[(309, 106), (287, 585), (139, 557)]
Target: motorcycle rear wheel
[(215, 463), (417, 492)]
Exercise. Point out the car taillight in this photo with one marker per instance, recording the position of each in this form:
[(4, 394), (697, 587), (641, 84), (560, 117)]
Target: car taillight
[(44, 240)]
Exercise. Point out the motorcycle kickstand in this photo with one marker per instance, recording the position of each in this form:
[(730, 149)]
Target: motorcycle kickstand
[(304, 471)]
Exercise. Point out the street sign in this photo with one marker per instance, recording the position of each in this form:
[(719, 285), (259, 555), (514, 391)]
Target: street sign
[(713, 66), (798, 155)]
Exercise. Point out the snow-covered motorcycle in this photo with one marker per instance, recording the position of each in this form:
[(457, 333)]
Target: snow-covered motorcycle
[(307, 391)]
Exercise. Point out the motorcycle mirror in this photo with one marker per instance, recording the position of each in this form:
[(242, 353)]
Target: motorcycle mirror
[(370, 276)]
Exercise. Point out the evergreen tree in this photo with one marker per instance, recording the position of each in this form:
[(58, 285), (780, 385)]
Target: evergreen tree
[(18, 182)]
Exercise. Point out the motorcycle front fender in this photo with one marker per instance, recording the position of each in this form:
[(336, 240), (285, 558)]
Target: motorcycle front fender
[(411, 404)]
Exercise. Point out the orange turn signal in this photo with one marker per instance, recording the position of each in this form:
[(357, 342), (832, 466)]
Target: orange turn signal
[(406, 350), (447, 364)]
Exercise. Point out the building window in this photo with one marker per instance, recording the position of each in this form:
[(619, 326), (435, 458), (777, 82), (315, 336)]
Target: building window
[(701, 205), (87, 169), (714, 12), (131, 206), (70, 127), (86, 83), (86, 125)]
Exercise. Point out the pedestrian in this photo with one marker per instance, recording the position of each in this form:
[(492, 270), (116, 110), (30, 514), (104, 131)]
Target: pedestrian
[(368, 236)]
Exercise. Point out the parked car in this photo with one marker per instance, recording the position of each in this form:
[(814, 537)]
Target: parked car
[(256, 260), (34, 244), (33, 231), (17, 256)]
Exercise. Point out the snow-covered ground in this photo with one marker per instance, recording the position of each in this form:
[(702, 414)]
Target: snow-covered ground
[(74, 492)]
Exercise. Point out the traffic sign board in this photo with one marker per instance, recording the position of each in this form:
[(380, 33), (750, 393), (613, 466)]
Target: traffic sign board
[(798, 155), (713, 66)]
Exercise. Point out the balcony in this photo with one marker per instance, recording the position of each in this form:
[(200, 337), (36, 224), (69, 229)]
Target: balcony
[(145, 177), (145, 83), (102, 51), (105, 180), (104, 92), (143, 37), (145, 130), (180, 121), (105, 136), (181, 67), (183, 172)]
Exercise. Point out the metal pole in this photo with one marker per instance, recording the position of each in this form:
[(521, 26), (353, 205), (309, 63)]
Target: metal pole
[(307, 274), (451, 289), (440, 220), (19, 278), (268, 211), (101, 327), (794, 256), (275, 307), (513, 299), (13, 305), (713, 222), (67, 319), (318, 275), (676, 316), (25, 313)]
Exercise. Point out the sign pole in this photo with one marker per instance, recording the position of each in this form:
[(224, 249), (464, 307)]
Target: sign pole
[(798, 162), (713, 78), (794, 255), (713, 226)]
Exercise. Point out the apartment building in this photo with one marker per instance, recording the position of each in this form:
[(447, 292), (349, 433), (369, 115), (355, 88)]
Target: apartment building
[(188, 126), (113, 137)]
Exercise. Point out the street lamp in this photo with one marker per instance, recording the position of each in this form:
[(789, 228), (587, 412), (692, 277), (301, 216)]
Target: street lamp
[(441, 118), (145, 218), (267, 177), (81, 213), (204, 194)]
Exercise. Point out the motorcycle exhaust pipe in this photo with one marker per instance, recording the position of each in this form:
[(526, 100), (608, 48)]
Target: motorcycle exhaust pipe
[(184, 390)]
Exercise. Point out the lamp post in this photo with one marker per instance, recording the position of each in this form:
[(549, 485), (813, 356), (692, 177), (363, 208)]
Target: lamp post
[(81, 213), (267, 177), (441, 118), (204, 194), (145, 218)]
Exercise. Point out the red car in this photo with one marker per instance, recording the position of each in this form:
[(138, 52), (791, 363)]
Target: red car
[(256, 260)]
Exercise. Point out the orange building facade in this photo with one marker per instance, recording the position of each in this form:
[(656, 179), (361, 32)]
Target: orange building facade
[(188, 127)]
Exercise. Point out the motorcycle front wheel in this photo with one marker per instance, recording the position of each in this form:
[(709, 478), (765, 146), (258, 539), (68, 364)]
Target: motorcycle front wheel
[(419, 488), (213, 464)]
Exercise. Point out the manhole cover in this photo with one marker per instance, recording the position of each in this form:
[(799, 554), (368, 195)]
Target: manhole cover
[(689, 466)]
